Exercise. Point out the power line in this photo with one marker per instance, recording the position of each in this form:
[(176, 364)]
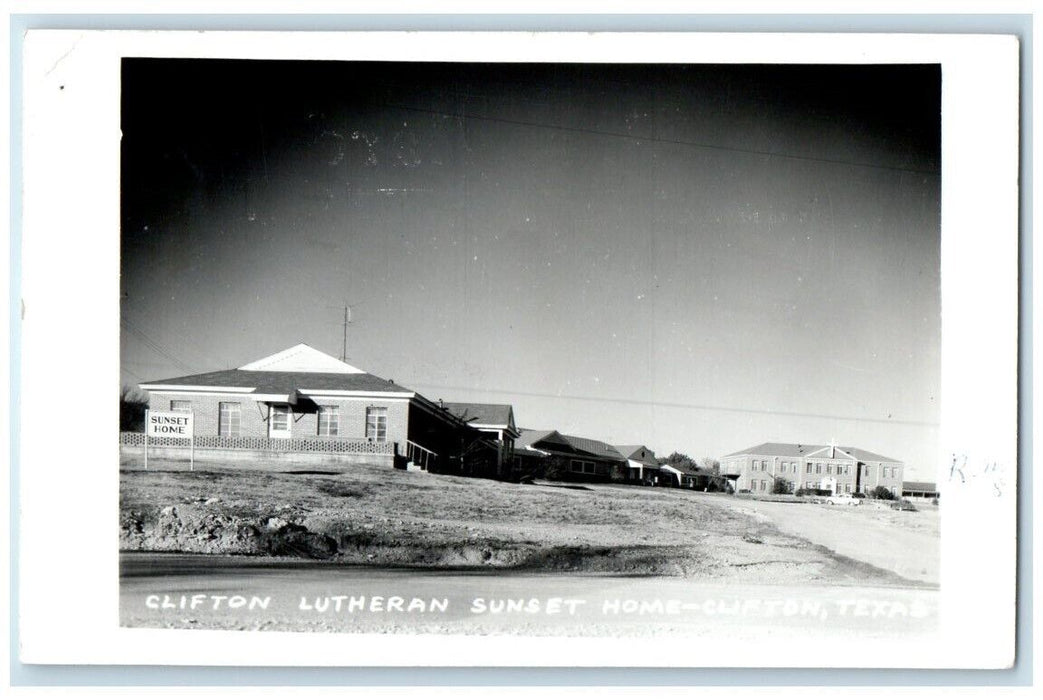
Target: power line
[(656, 139), (154, 346), (676, 404), (133, 374)]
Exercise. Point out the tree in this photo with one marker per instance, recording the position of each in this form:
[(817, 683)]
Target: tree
[(883, 493), (711, 465), (680, 460), (132, 410), (782, 486)]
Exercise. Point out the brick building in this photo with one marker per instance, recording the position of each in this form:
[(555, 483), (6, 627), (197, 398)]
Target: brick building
[(304, 402), (550, 454), (821, 467), (496, 421)]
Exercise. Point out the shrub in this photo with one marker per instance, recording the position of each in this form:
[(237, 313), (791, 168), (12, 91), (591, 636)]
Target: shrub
[(132, 410), (934, 501), (782, 486), (882, 493)]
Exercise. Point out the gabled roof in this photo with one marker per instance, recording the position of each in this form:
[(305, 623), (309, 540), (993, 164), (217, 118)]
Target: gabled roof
[(301, 358), (553, 440), (528, 436), (634, 452), (279, 382), (493, 415), (785, 449), (593, 447), (300, 368)]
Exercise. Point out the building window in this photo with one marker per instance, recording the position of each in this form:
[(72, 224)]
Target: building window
[(829, 468), (377, 424), (809, 467), (818, 468), (329, 421), (581, 466), (228, 419), (280, 418), (181, 406), (782, 468)]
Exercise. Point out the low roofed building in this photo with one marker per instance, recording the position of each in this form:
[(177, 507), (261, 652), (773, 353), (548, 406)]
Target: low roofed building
[(642, 466), (554, 455), (301, 401)]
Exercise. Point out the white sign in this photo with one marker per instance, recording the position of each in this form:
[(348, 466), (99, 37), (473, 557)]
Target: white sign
[(168, 424)]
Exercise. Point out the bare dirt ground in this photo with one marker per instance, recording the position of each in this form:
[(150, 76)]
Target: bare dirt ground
[(385, 518), (905, 542)]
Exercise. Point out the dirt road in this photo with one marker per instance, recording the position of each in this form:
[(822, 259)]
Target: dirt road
[(907, 543)]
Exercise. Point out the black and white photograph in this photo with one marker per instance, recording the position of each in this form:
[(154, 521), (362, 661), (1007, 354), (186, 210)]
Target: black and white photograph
[(420, 351), (488, 340)]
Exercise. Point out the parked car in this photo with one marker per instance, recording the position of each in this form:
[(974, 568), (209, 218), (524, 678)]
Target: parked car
[(843, 499), (902, 505)]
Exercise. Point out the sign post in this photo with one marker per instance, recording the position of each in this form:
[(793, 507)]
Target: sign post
[(175, 424)]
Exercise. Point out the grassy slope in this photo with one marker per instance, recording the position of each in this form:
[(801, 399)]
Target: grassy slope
[(385, 517)]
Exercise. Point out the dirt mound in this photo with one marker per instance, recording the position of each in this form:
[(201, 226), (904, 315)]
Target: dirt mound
[(198, 529)]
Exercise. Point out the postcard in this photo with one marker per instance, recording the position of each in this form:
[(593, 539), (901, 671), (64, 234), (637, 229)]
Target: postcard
[(504, 349)]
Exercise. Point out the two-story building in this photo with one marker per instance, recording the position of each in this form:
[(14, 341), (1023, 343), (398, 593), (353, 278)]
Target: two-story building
[(818, 467)]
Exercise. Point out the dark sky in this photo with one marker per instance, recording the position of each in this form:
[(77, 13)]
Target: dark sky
[(697, 258)]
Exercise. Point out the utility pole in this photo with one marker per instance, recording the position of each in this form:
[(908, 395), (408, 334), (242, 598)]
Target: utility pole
[(344, 346), (347, 322)]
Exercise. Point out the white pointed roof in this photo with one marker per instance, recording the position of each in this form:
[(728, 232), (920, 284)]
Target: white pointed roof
[(301, 358)]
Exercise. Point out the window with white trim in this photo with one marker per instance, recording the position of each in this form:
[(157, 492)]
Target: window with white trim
[(181, 406), (229, 419), (377, 424), (280, 417), (329, 421)]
